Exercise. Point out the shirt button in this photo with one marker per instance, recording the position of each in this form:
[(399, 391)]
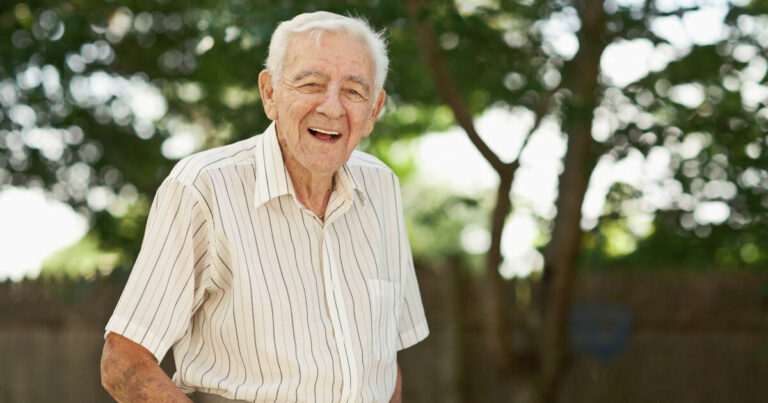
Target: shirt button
[(331, 287)]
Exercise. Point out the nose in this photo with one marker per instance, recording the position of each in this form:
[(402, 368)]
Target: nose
[(331, 105)]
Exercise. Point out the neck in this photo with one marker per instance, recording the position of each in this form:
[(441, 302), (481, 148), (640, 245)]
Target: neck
[(313, 190)]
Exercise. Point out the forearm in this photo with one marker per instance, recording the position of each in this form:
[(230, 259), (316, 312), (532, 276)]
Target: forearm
[(130, 373), (397, 395)]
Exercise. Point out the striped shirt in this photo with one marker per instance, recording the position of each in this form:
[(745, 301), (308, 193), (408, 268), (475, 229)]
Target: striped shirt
[(260, 299)]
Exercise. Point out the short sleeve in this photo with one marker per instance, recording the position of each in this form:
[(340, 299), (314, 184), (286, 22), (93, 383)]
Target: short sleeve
[(412, 324), (163, 288)]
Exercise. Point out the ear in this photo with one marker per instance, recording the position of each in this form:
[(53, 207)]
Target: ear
[(375, 111), (267, 92)]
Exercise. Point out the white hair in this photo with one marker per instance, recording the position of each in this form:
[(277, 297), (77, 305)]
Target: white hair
[(323, 21)]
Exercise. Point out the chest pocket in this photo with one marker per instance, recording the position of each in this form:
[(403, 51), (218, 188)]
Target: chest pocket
[(385, 308)]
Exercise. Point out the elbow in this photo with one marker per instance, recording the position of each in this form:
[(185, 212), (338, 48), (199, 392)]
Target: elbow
[(122, 363), (107, 367), (106, 383), (117, 363)]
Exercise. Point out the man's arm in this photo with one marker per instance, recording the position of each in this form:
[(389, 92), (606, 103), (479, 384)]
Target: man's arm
[(130, 373), (397, 396)]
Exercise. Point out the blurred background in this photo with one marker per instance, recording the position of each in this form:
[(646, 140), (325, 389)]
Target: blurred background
[(585, 183)]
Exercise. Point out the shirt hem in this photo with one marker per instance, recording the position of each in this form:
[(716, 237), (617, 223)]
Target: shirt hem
[(413, 336), (139, 335)]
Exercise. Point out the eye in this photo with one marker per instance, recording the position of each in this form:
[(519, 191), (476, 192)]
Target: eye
[(356, 94)]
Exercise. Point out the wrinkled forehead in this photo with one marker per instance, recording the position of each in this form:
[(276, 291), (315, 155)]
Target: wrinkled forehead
[(304, 46)]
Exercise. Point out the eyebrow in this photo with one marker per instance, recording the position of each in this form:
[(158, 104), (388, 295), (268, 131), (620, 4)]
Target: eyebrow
[(358, 80), (355, 79), (306, 73)]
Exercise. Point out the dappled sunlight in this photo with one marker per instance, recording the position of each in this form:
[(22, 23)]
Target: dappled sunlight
[(584, 187), (170, 103), (33, 227)]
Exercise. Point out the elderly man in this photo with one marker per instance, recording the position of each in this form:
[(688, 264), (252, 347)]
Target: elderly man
[(278, 267)]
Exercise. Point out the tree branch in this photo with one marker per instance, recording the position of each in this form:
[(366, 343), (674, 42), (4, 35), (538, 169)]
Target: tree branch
[(445, 87), (539, 113), (647, 7), (650, 10)]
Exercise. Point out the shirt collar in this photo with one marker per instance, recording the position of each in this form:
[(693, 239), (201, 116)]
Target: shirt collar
[(273, 180)]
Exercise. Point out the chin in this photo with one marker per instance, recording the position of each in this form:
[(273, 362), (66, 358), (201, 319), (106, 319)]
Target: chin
[(328, 164), (323, 167)]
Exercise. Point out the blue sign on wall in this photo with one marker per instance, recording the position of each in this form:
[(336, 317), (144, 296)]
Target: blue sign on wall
[(599, 330)]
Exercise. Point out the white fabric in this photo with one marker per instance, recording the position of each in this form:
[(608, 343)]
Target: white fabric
[(262, 301)]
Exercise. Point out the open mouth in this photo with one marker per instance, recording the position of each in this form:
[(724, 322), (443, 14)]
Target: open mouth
[(324, 135)]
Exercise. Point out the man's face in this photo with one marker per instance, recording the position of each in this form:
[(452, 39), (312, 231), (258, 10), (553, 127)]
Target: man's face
[(324, 101)]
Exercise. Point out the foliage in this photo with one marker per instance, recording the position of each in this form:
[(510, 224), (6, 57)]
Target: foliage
[(436, 219), (83, 259), (93, 93), (717, 147), (67, 122)]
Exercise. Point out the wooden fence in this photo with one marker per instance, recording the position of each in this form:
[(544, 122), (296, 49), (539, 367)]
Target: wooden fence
[(654, 335)]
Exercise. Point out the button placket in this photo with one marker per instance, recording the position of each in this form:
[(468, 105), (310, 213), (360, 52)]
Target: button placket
[(339, 321)]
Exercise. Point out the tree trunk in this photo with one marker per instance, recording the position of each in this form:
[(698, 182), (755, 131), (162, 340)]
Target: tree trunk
[(562, 252), (495, 303)]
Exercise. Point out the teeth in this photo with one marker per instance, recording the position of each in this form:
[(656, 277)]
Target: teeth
[(326, 132)]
